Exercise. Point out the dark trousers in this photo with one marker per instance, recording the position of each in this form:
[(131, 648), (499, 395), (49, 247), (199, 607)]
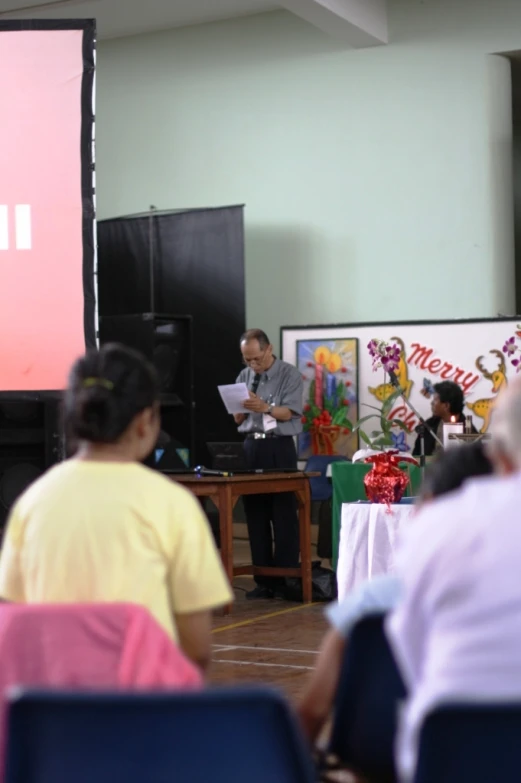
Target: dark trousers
[(272, 517)]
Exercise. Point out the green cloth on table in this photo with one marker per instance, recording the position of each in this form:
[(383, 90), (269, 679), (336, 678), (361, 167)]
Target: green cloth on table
[(348, 487)]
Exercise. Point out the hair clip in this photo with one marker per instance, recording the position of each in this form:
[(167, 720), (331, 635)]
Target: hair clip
[(88, 383)]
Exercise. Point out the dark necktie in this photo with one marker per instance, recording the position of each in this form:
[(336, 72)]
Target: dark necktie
[(256, 381)]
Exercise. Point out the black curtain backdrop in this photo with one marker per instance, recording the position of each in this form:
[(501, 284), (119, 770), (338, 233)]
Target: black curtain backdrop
[(188, 262)]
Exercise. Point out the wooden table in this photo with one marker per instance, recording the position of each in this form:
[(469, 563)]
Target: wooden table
[(224, 491)]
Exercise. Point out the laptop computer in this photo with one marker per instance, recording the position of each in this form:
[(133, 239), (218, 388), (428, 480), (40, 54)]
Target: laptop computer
[(228, 457)]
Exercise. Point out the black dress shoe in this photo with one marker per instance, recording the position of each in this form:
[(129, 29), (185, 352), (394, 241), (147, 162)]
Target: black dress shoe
[(259, 592)]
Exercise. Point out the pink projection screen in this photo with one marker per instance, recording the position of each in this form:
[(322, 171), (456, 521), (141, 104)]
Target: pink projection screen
[(47, 299)]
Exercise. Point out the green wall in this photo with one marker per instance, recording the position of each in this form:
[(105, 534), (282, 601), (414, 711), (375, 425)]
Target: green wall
[(377, 182)]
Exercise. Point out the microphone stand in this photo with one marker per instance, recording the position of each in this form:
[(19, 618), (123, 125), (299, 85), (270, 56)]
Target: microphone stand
[(422, 425)]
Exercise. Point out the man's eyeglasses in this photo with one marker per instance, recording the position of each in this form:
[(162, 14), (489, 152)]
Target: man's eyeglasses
[(254, 359)]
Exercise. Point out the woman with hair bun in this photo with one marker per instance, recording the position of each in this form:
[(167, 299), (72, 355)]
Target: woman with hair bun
[(101, 527)]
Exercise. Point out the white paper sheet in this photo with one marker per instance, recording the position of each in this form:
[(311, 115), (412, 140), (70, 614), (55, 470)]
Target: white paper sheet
[(233, 395)]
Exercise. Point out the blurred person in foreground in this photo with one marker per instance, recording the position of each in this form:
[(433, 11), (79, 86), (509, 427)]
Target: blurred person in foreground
[(456, 631), (101, 527), (381, 594)]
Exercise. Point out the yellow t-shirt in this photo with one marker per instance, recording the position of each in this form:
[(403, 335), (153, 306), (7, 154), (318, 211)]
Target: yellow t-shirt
[(112, 531)]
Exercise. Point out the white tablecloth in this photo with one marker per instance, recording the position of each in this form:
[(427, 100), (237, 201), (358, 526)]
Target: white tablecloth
[(368, 541)]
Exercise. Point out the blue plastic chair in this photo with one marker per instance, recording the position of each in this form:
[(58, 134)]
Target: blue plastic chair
[(219, 736), (470, 742), (320, 486), (321, 493), (365, 717)]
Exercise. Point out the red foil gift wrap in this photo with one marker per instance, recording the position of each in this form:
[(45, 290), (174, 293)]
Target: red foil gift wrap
[(386, 482)]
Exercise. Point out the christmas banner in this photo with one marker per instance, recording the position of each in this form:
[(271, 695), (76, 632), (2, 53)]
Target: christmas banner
[(340, 385)]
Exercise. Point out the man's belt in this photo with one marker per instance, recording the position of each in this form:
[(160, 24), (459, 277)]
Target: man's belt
[(261, 435)]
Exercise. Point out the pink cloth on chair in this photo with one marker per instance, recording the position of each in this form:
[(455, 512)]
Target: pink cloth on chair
[(98, 646)]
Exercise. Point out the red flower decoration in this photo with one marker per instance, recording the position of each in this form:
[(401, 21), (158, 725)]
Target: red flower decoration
[(348, 384), (309, 364), (303, 420), (307, 408), (345, 402), (343, 369)]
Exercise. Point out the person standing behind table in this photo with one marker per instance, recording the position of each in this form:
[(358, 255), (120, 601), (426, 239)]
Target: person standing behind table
[(276, 390), (447, 403), (101, 527)]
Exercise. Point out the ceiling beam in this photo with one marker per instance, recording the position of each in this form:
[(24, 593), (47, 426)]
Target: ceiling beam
[(358, 23)]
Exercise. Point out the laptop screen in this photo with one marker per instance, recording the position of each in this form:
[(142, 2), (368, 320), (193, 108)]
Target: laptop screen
[(226, 456)]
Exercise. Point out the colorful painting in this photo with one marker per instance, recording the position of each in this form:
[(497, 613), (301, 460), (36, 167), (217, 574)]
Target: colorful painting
[(330, 372)]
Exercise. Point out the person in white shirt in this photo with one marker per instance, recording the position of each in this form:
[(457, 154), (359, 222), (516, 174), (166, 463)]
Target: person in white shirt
[(456, 631), (377, 595)]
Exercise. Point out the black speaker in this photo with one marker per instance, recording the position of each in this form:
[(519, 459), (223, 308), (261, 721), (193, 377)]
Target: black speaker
[(31, 440), (166, 341)]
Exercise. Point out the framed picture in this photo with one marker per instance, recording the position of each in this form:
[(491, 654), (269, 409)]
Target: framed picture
[(329, 368)]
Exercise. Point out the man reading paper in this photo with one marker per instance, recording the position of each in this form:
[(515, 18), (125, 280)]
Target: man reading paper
[(273, 419)]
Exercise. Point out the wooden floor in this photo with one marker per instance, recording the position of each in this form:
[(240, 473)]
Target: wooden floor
[(269, 642)]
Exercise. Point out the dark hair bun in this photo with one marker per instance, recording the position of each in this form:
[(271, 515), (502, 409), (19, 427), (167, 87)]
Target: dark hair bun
[(107, 390), (96, 415)]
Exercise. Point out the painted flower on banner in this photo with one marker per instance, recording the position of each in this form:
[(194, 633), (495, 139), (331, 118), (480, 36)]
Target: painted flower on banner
[(399, 441), (512, 349)]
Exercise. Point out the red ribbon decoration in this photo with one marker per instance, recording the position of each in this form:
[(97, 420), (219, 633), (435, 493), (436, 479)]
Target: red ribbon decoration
[(386, 482)]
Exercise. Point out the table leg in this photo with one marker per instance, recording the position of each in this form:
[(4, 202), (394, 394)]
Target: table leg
[(226, 504), (304, 516)]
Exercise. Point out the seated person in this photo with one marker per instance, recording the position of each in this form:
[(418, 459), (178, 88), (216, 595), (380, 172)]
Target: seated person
[(101, 527), (447, 402), (456, 631), (380, 594)]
